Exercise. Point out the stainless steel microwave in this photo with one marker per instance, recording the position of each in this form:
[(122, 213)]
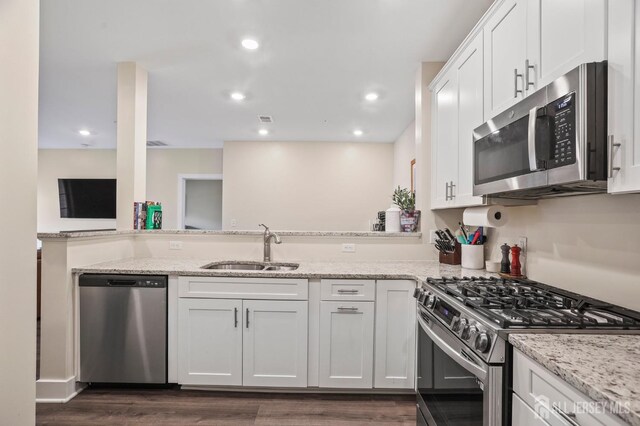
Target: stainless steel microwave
[(552, 143)]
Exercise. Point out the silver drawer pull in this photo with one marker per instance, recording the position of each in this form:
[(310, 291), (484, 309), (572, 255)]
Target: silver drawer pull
[(347, 309), (348, 291), (567, 417), (611, 148)]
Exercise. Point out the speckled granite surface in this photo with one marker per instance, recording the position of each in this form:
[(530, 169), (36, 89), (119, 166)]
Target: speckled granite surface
[(604, 367), (373, 270), (87, 234)]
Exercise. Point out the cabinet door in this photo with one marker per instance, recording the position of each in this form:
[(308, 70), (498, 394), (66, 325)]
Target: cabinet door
[(505, 41), (624, 95), (395, 347), (275, 343), (470, 115), (561, 36), (209, 342), (346, 344), (444, 141)]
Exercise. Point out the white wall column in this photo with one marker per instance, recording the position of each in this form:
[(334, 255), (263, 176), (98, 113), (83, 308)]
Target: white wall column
[(131, 141), (19, 44)]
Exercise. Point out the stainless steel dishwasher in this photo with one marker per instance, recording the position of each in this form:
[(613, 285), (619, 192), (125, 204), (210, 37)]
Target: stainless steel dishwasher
[(123, 329)]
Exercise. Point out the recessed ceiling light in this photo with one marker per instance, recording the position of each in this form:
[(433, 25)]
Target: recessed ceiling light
[(250, 44), (263, 132), (84, 132), (237, 96), (373, 96), (358, 132)]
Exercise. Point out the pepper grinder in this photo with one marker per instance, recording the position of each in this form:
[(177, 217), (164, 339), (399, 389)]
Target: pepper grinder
[(515, 261), (505, 265)]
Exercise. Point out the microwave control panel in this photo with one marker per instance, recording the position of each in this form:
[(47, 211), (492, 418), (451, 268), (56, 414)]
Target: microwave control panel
[(563, 131)]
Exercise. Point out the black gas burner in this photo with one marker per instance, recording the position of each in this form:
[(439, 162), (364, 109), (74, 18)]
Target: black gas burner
[(513, 303)]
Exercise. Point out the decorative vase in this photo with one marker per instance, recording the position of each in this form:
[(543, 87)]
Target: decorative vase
[(392, 219), (409, 220)]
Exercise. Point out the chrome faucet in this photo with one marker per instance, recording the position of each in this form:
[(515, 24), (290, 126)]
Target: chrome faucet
[(268, 236)]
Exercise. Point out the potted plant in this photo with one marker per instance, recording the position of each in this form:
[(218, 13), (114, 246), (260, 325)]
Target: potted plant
[(409, 216)]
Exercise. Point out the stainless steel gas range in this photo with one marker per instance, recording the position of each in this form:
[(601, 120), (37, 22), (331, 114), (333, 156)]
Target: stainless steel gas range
[(464, 359)]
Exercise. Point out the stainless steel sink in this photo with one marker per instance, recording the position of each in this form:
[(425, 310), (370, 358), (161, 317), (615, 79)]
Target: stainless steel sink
[(252, 266)]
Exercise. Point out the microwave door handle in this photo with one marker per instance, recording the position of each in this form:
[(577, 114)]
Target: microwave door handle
[(459, 358), (531, 140)]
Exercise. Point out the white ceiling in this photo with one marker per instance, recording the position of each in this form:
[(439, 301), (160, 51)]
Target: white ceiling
[(316, 61)]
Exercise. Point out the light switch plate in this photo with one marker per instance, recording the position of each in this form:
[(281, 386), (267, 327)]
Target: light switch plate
[(175, 245), (348, 248)]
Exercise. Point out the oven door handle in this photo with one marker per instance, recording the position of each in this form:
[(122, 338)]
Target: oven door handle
[(462, 360)]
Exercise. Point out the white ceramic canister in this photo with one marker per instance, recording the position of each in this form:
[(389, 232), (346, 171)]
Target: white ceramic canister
[(392, 219), (473, 256)]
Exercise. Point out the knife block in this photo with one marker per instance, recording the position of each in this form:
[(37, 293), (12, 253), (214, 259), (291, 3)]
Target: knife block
[(454, 258)]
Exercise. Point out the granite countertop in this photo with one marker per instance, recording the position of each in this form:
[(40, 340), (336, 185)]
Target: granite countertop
[(604, 367), (348, 234), (413, 270)]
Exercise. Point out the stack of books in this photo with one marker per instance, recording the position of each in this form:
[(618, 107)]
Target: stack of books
[(147, 215)]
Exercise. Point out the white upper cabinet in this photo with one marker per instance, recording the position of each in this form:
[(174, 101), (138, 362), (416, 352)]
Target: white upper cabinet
[(624, 96), (444, 146), (470, 115), (561, 36), (505, 41)]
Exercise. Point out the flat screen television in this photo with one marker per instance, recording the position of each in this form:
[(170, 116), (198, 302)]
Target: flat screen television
[(87, 198)]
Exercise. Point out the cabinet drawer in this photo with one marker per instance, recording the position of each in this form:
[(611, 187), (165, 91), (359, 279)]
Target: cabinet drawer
[(524, 415), (357, 290), (243, 288), (550, 396)]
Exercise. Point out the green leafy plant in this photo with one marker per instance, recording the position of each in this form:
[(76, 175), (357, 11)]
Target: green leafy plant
[(404, 199)]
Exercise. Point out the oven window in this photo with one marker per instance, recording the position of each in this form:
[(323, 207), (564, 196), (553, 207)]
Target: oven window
[(503, 154), (447, 393)]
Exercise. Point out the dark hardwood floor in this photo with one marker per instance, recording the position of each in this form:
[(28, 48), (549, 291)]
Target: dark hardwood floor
[(183, 407)]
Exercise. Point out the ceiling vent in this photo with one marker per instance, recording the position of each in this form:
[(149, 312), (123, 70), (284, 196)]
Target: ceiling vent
[(156, 143), (265, 119)]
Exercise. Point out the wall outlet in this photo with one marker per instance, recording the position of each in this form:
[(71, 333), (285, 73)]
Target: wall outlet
[(522, 243), (175, 245), (348, 248), (432, 236), (234, 223)]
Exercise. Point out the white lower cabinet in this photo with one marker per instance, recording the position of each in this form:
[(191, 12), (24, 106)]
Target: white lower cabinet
[(209, 342), (346, 344), (235, 342), (395, 338), (275, 343), (542, 398)]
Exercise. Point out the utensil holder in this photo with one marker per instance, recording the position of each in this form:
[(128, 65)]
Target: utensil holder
[(451, 258), (473, 256)]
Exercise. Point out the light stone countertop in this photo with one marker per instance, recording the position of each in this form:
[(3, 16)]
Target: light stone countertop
[(604, 367), (348, 234), (413, 270)]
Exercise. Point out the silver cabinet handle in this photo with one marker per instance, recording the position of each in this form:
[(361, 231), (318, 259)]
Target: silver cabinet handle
[(567, 417), (349, 291), (452, 185), (235, 317), (612, 145), (347, 309), (516, 75), (527, 80), (446, 192), (247, 317)]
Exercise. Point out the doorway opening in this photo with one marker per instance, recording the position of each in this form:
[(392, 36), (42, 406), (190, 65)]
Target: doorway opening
[(200, 202)]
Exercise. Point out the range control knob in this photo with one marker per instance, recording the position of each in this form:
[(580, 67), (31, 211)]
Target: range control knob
[(455, 324), (462, 324), (469, 331), (483, 342), (416, 293), (431, 300)]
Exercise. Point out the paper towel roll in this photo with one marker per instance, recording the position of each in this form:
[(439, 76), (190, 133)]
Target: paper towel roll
[(489, 216)]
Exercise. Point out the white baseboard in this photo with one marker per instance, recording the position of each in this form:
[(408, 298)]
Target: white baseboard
[(57, 391)]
